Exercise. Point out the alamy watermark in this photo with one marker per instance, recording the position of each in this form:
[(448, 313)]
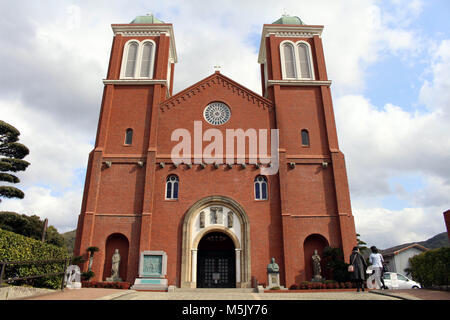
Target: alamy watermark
[(213, 153)]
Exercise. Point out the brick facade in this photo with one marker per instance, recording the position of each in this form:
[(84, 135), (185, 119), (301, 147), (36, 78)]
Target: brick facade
[(124, 203)]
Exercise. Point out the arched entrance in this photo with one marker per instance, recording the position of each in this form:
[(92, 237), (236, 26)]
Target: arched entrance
[(216, 261), (225, 218)]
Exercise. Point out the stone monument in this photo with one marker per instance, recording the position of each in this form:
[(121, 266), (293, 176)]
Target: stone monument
[(73, 277), (115, 268), (273, 274), (317, 270), (152, 271)]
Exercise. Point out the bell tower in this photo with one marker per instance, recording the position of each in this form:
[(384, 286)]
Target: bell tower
[(314, 194), (121, 167)]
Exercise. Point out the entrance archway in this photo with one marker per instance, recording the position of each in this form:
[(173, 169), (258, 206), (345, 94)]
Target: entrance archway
[(222, 215), (216, 261)]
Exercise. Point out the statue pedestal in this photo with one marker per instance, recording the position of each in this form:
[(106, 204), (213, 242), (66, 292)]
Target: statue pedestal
[(273, 280), (114, 279), (73, 285), (150, 284)]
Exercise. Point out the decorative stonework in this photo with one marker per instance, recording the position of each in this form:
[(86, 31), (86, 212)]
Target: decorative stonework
[(213, 81), (217, 113), (295, 34), (142, 33), (217, 212)]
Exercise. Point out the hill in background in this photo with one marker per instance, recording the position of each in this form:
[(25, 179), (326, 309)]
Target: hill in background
[(69, 240), (438, 241)]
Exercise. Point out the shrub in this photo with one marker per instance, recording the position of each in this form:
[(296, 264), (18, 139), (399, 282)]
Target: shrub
[(275, 288), (87, 275), (293, 287), (317, 285), (334, 261), (431, 268), (303, 285), (15, 247), (111, 285)]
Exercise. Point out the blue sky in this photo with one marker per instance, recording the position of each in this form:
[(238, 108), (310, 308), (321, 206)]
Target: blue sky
[(396, 78), (389, 62)]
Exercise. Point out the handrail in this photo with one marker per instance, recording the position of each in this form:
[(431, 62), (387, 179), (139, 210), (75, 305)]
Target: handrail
[(9, 280)]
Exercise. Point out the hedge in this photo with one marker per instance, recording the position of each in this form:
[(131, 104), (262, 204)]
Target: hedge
[(431, 268), (15, 247)]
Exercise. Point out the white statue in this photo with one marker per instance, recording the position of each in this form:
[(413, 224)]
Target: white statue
[(73, 277), (115, 263)]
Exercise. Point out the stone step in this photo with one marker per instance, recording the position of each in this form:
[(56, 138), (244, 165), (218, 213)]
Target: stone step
[(215, 290)]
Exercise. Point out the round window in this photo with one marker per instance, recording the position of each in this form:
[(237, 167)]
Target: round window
[(217, 113)]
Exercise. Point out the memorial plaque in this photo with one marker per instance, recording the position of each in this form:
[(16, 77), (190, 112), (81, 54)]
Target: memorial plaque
[(152, 266), (152, 271)]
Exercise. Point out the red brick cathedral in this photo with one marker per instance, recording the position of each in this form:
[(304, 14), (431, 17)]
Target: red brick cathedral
[(168, 173)]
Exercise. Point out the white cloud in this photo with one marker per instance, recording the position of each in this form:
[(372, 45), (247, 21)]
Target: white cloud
[(389, 142), (385, 228), (61, 211), (436, 94)]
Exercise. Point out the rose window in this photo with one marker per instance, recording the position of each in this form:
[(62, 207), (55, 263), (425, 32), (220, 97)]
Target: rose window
[(217, 113)]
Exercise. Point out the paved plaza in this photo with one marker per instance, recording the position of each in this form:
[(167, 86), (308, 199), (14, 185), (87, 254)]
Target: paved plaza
[(246, 296), (214, 294)]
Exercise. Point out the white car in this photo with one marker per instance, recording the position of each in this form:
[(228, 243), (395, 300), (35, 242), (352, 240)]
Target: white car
[(394, 280)]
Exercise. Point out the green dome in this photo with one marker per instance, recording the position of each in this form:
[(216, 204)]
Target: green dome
[(147, 19), (286, 19)]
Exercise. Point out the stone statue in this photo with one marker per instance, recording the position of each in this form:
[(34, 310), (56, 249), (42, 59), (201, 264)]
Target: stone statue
[(316, 266), (273, 267), (273, 275), (115, 267), (213, 215), (202, 219), (73, 277), (230, 219)]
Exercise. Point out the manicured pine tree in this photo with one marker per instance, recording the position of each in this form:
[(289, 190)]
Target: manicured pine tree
[(11, 160)]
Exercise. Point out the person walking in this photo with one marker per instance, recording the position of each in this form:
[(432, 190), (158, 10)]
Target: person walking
[(376, 259), (357, 269)]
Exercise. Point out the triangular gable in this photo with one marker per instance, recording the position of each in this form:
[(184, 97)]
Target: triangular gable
[(214, 80)]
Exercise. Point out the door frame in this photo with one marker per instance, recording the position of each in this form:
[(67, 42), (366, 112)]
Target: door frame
[(190, 241), (217, 254)]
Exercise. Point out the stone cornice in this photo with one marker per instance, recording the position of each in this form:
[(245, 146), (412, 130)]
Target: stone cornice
[(216, 79), (134, 81), (145, 30), (286, 31), (299, 82)]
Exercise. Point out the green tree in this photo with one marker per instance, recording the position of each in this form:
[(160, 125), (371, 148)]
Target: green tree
[(334, 261), (30, 226), (11, 160), (361, 244)]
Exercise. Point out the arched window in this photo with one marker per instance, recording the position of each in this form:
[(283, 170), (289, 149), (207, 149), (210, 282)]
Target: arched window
[(260, 188), (138, 59), (146, 60), (296, 60), (128, 136), (172, 187), (305, 138), (303, 56), (289, 61), (131, 59)]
